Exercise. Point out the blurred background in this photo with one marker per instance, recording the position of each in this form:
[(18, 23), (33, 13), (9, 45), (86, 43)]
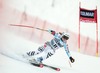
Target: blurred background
[(58, 15)]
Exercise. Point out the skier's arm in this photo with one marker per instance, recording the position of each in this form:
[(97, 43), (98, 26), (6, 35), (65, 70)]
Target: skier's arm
[(68, 53)]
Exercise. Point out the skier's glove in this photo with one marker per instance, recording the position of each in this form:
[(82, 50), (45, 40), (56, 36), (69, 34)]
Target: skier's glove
[(72, 59), (52, 32)]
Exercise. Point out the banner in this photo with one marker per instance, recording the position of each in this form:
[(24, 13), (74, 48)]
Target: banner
[(88, 15)]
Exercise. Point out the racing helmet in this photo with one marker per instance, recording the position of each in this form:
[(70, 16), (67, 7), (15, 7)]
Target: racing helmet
[(65, 35)]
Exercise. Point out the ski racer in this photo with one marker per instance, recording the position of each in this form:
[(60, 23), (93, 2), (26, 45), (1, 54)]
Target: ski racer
[(49, 48)]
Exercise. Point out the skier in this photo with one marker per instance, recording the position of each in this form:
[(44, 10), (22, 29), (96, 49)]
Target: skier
[(49, 48)]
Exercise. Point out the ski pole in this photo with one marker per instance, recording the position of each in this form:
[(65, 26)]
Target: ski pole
[(28, 27), (70, 63)]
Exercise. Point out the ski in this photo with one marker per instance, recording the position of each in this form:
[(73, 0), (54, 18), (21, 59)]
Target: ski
[(42, 65), (37, 65), (52, 67), (34, 64)]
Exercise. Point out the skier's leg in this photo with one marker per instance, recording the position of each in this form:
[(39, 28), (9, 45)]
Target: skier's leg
[(38, 51), (48, 52), (33, 53)]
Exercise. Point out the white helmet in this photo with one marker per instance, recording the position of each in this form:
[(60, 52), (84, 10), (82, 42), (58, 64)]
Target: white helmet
[(65, 35)]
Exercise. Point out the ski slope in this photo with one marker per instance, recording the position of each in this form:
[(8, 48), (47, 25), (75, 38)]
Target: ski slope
[(14, 46)]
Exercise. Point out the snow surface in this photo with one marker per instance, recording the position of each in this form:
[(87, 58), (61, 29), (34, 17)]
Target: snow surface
[(14, 46)]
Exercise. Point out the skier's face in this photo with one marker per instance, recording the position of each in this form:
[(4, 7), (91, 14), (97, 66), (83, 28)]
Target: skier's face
[(64, 40)]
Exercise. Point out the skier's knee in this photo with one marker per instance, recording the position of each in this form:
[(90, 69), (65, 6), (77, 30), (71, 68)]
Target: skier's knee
[(31, 53)]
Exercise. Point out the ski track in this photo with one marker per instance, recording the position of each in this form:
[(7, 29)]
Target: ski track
[(12, 47)]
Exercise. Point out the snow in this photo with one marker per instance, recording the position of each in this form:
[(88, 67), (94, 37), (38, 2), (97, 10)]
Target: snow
[(14, 46)]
